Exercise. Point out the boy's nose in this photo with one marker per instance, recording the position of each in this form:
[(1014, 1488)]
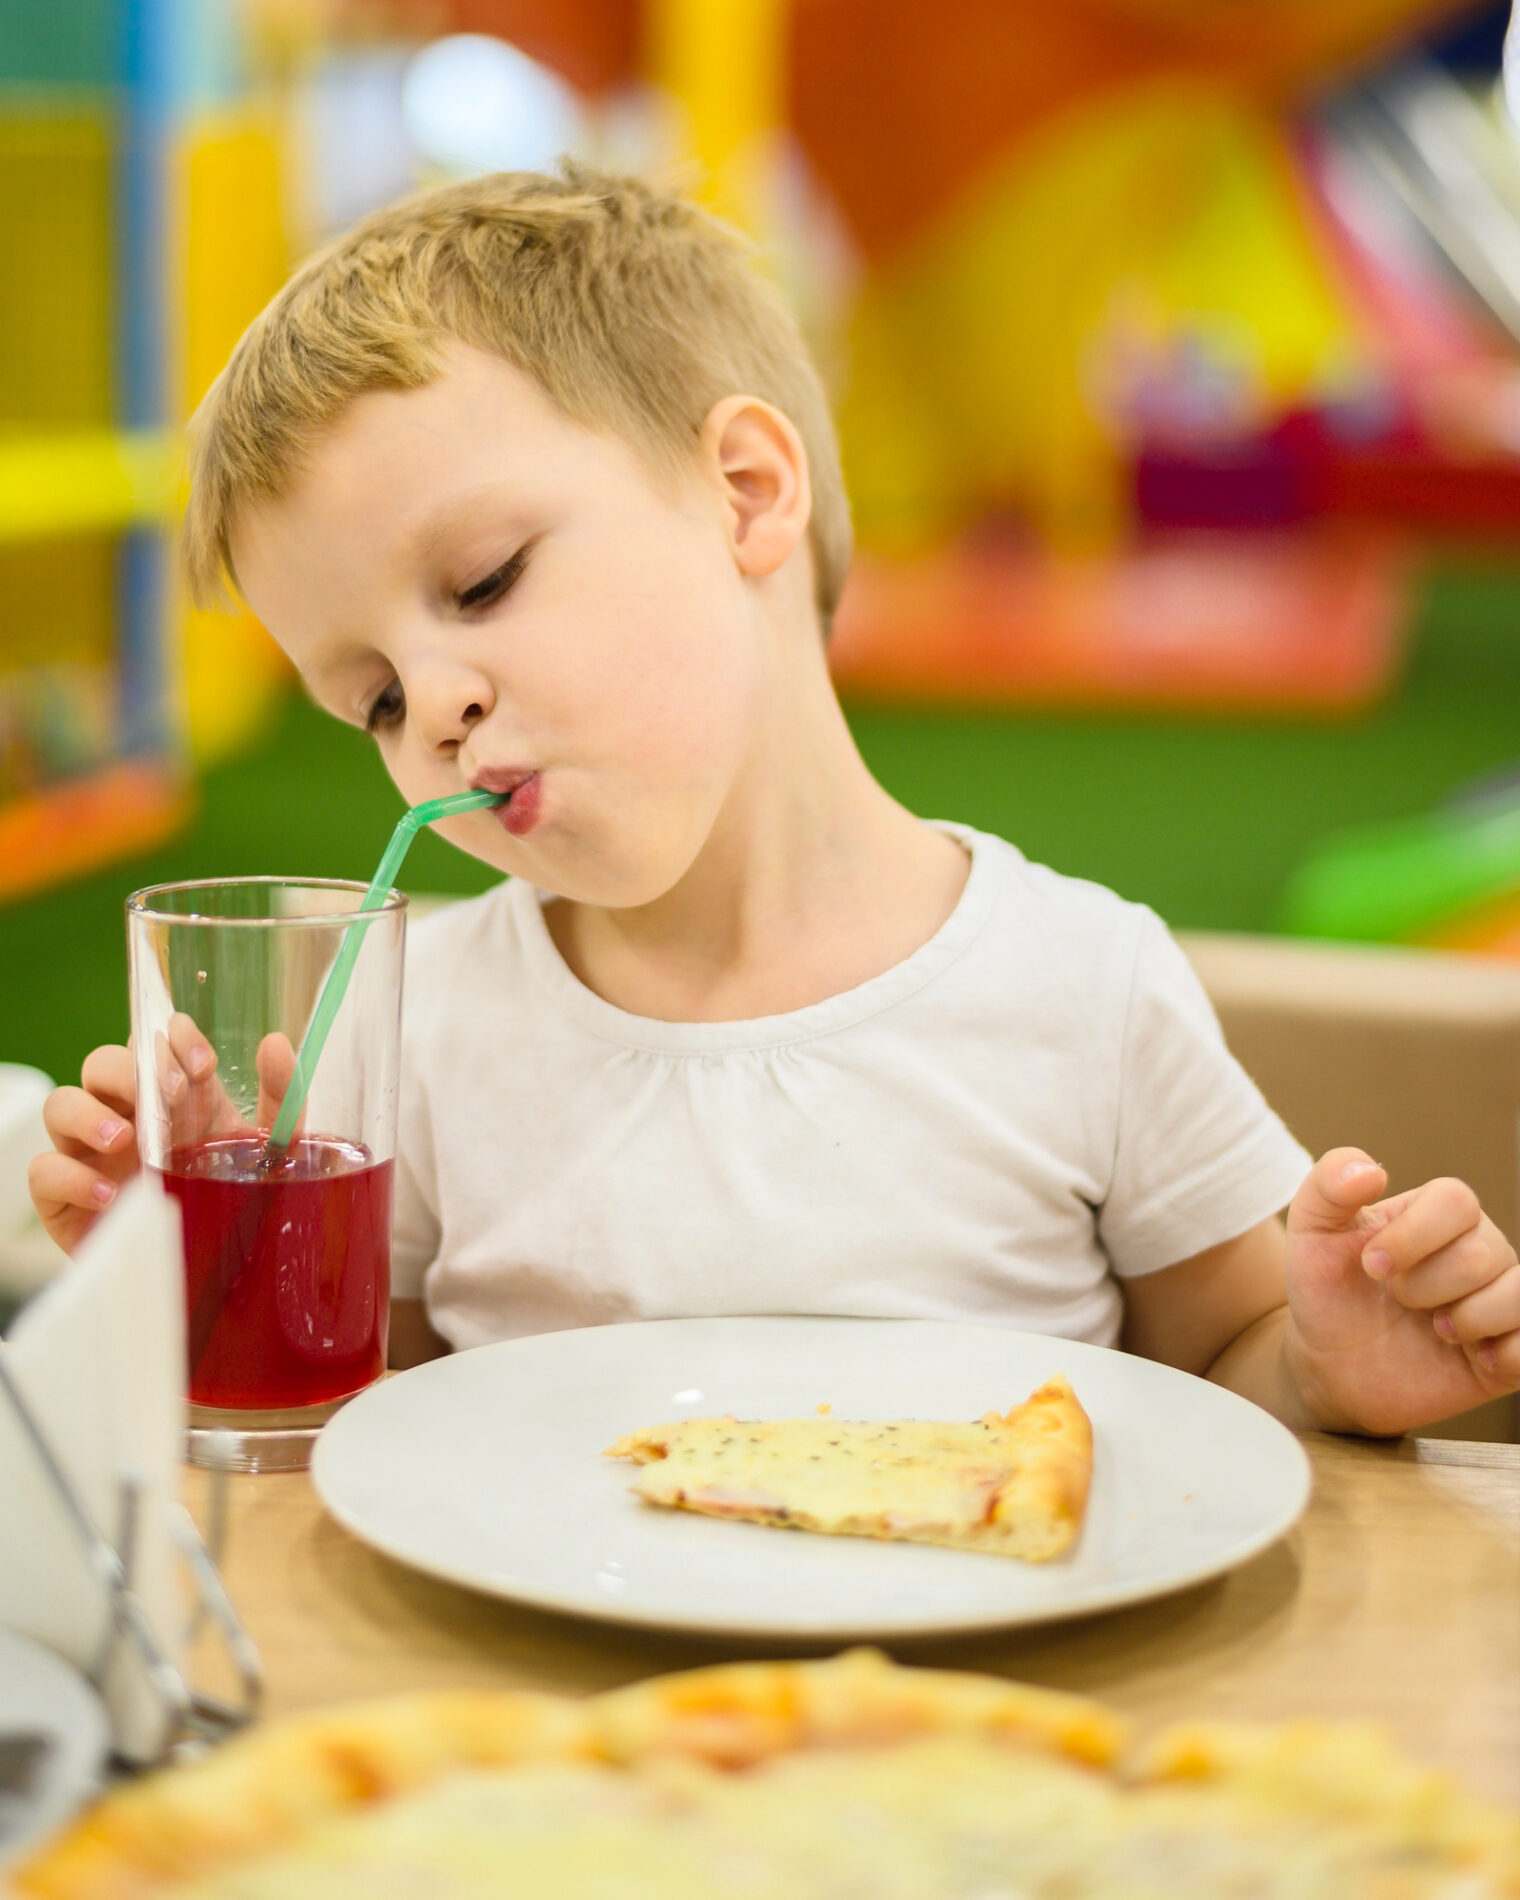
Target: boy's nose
[(446, 705)]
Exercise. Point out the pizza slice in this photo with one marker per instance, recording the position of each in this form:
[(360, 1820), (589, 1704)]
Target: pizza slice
[(1014, 1483)]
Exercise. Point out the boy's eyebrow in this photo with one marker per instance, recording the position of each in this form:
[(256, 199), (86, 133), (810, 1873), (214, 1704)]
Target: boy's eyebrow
[(455, 512)]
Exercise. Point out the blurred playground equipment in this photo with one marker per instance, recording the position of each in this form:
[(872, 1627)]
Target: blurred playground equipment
[(140, 227), (1449, 879), (1216, 329)]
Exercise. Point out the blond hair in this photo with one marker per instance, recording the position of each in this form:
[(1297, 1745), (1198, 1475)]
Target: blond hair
[(631, 308)]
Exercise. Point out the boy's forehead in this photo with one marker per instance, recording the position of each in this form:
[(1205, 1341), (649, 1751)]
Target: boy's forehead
[(400, 473), (434, 454), (481, 440), (321, 519), (473, 400)]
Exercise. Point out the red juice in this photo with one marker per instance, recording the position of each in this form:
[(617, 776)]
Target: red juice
[(287, 1269)]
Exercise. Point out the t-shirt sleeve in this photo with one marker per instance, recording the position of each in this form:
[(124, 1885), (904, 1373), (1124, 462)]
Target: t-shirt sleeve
[(1199, 1157)]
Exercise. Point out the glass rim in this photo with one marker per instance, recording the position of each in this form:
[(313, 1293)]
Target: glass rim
[(140, 904)]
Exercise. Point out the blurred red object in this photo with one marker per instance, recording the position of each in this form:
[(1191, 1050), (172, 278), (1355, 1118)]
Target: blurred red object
[(900, 108), (1309, 620), (597, 45)]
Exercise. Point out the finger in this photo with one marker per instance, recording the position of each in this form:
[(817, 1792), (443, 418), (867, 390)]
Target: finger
[(70, 1193), (110, 1077), (1492, 1310), (1451, 1272), (207, 1108), (1335, 1193), (1431, 1218), (173, 1085), (1497, 1362), (189, 1047), (277, 1066), (57, 1181), (61, 1220), (79, 1123)]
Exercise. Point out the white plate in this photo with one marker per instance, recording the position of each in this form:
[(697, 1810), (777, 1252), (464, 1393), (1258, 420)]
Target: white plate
[(40, 1694), (486, 1468)]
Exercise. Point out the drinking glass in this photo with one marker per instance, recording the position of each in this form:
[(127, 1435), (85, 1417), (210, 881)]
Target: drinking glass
[(287, 1253)]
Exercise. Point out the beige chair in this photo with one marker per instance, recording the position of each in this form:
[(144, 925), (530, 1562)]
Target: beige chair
[(1413, 1055)]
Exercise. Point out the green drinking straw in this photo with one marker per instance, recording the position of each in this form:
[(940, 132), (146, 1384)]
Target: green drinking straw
[(331, 998)]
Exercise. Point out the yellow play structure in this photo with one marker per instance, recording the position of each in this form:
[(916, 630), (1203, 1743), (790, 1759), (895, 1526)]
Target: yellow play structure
[(141, 225)]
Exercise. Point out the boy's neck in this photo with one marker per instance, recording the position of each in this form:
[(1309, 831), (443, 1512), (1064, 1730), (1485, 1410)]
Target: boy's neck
[(814, 881)]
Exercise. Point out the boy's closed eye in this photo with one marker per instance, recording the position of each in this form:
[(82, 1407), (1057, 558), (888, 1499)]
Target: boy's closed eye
[(485, 593), (386, 709)]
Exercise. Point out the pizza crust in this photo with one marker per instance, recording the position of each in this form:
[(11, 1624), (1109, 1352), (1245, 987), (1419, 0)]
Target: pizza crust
[(736, 1714), (1014, 1484)]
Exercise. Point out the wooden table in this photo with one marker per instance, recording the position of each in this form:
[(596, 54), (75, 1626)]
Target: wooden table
[(1397, 1596)]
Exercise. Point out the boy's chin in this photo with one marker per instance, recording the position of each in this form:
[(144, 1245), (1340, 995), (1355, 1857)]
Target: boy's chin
[(599, 885), (621, 885)]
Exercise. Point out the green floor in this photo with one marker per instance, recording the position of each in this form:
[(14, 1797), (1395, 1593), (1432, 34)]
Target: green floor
[(1202, 819)]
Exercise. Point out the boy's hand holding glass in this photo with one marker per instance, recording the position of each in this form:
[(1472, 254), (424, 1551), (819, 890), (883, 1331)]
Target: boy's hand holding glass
[(1405, 1309), (93, 1127)]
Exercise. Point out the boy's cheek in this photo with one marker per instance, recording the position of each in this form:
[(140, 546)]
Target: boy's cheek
[(411, 777)]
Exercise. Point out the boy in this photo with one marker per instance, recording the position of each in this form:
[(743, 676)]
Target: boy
[(532, 479)]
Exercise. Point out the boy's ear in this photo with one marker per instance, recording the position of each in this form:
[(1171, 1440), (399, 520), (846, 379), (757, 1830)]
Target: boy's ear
[(758, 460)]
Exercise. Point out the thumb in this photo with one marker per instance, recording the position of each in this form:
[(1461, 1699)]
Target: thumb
[(1334, 1192), (276, 1065)]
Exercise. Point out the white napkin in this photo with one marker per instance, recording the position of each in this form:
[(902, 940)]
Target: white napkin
[(27, 1256), (99, 1354), (23, 1090)]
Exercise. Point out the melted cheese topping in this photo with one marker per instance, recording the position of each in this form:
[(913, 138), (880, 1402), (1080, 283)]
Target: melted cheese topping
[(1014, 1484), (910, 1475), (943, 1818)]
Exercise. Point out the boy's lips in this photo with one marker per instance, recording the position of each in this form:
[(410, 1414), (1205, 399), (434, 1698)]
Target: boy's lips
[(519, 813)]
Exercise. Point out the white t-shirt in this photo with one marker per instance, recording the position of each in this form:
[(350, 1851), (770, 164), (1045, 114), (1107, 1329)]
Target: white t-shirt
[(1035, 1101)]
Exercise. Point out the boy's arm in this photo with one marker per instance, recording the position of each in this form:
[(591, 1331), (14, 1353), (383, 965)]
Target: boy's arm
[(1222, 1314), (1363, 1315)]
